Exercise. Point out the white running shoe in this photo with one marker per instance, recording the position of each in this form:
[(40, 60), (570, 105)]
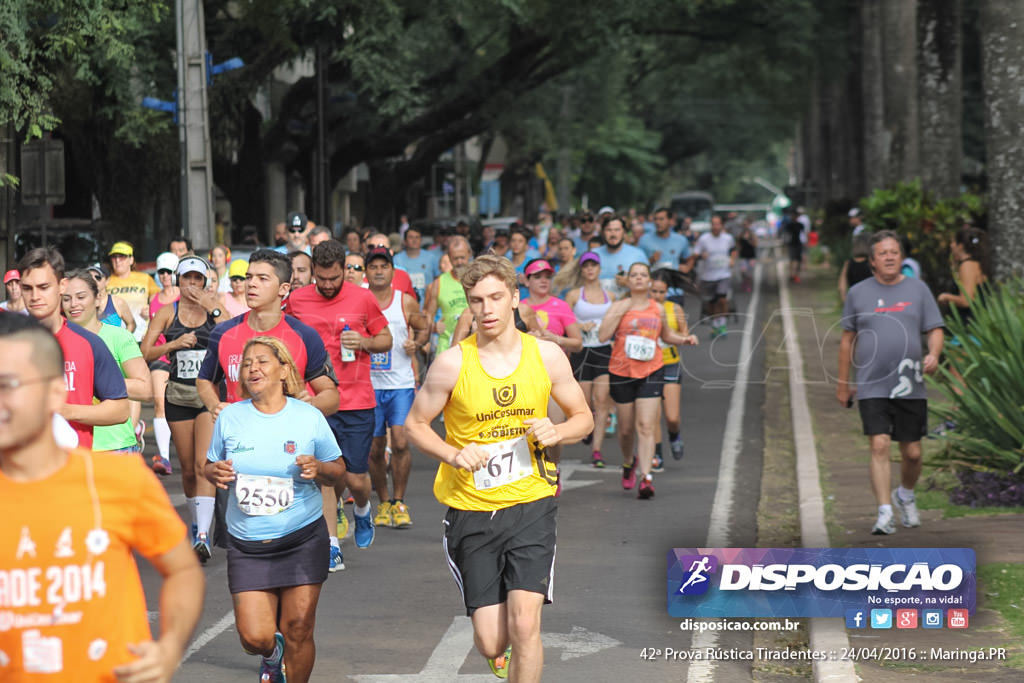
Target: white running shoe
[(907, 508), (885, 524)]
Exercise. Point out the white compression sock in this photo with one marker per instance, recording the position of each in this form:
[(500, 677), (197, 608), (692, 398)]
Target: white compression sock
[(361, 511), (162, 431), (204, 513), (190, 505)]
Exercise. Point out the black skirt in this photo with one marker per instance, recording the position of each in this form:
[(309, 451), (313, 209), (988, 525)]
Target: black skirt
[(296, 559)]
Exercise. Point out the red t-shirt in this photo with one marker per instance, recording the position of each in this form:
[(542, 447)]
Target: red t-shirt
[(89, 371), (357, 308), (223, 359)]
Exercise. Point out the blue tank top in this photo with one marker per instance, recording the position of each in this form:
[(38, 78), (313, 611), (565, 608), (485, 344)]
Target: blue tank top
[(110, 315)]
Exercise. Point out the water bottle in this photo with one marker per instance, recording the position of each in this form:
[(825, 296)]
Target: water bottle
[(347, 354)]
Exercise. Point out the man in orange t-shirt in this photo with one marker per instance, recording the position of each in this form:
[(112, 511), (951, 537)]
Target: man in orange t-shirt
[(71, 601)]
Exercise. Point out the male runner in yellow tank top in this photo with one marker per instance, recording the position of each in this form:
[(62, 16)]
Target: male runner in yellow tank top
[(495, 474)]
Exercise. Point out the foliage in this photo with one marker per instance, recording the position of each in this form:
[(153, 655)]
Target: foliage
[(927, 223), (988, 353), (988, 489)]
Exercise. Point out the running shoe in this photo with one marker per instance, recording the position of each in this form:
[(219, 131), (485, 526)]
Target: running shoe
[(343, 528), (646, 489), (885, 524), (723, 331), (499, 665), (162, 466), (272, 670), (202, 548), (613, 424), (350, 501), (596, 460), (658, 464), (140, 434), (337, 560), (677, 449), (588, 439), (400, 515), (907, 508), (193, 532), (629, 476), (364, 531), (383, 516)]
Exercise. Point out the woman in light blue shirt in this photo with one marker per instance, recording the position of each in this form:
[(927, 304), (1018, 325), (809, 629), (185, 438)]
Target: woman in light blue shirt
[(269, 451)]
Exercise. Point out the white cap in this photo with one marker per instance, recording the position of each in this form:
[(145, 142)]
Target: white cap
[(166, 261), (854, 212), (193, 264), (605, 209)]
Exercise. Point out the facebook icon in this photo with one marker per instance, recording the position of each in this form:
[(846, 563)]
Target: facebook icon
[(855, 618)]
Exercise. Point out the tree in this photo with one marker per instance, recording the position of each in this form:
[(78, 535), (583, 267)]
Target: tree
[(1002, 29), (939, 78)]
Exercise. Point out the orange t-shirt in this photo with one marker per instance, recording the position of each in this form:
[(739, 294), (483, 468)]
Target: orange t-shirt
[(636, 338), (70, 595)]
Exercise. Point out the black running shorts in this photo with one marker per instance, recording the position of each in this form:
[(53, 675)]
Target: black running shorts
[(903, 419), (493, 552)]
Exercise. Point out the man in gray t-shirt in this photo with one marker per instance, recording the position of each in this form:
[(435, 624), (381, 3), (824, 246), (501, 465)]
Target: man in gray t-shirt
[(883, 320)]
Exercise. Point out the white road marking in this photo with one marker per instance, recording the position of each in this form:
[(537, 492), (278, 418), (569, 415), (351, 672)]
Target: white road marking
[(703, 671), (226, 622)]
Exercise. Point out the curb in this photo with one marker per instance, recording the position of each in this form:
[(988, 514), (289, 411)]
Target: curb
[(825, 634)]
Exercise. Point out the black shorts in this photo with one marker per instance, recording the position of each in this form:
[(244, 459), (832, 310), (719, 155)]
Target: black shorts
[(903, 419), (299, 558), (591, 362), (353, 430), (671, 372), (629, 389), (490, 553), (160, 364), (175, 413), (796, 251)]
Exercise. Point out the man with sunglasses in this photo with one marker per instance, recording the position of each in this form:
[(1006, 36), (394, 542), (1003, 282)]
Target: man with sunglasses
[(298, 233), (349, 320), (587, 230)]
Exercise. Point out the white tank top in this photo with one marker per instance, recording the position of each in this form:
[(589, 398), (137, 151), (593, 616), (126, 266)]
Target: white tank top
[(588, 312), (393, 369)]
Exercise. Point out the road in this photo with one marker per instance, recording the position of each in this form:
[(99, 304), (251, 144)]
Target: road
[(395, 612)]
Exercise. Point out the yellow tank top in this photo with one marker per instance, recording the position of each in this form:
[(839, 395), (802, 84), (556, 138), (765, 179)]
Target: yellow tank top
[(669, 353), (487, 410)]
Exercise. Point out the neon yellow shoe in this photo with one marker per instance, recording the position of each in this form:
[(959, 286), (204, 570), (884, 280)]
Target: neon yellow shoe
[(401, 519), (343, 530), (383, 516), (499, 665)]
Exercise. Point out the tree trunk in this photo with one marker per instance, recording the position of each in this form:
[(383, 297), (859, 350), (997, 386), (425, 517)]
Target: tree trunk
[(1002, 39), (939, 79), (899, 50), (876, 137)]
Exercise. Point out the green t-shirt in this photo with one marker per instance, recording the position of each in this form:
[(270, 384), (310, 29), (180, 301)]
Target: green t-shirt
[(123, 347)]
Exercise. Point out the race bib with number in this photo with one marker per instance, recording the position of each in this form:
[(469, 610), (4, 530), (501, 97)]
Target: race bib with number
[(718, 261), (640, 348), (418, 280), (261, 495), (508, 461), (380, 361), (590, 337), (189, 361)]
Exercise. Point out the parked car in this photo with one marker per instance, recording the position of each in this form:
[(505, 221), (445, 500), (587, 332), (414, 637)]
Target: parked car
[(80, 241), (698, 206)]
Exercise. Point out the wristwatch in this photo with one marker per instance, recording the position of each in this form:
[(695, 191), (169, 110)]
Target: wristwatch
[(216, 313)]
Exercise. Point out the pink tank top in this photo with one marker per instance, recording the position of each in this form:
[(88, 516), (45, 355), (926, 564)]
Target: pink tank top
[(154, 306)]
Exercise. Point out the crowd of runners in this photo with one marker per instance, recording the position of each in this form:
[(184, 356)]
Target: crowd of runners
[(300, 377)]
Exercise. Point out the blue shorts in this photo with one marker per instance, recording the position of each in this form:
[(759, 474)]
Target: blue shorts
[(392, 407), (353, 430)]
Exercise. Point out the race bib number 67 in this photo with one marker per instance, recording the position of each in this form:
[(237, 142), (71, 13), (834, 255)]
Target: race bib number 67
[(508, 461)]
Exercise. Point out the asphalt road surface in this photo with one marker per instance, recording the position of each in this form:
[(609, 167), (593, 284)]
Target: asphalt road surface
[(395, 612)]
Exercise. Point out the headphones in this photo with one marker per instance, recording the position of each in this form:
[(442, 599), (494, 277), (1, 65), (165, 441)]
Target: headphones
[(206, 269)]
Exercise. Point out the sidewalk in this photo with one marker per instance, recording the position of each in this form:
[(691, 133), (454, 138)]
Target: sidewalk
[(851, 509)]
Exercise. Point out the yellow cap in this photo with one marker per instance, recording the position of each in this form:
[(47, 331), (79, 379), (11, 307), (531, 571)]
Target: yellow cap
[(238, 268), (122, 248)]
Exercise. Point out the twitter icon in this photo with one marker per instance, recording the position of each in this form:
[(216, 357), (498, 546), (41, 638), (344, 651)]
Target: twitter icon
[(881, 618)]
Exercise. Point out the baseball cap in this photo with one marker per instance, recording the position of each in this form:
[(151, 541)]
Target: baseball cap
[(121, 248), (11, 275), (605, 209), (296, 219), (166, 261), (238, 268), (379, 252), (99, 268), (854, 212), (590, 256), (193, 264), (537, 265)]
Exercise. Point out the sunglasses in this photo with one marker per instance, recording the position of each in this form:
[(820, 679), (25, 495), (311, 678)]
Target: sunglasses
[(164, 271), (295, 229), (237, 278), (353, 266), (95, 276)]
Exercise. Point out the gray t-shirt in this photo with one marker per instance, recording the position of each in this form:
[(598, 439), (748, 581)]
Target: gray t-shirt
[(889, 321)]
